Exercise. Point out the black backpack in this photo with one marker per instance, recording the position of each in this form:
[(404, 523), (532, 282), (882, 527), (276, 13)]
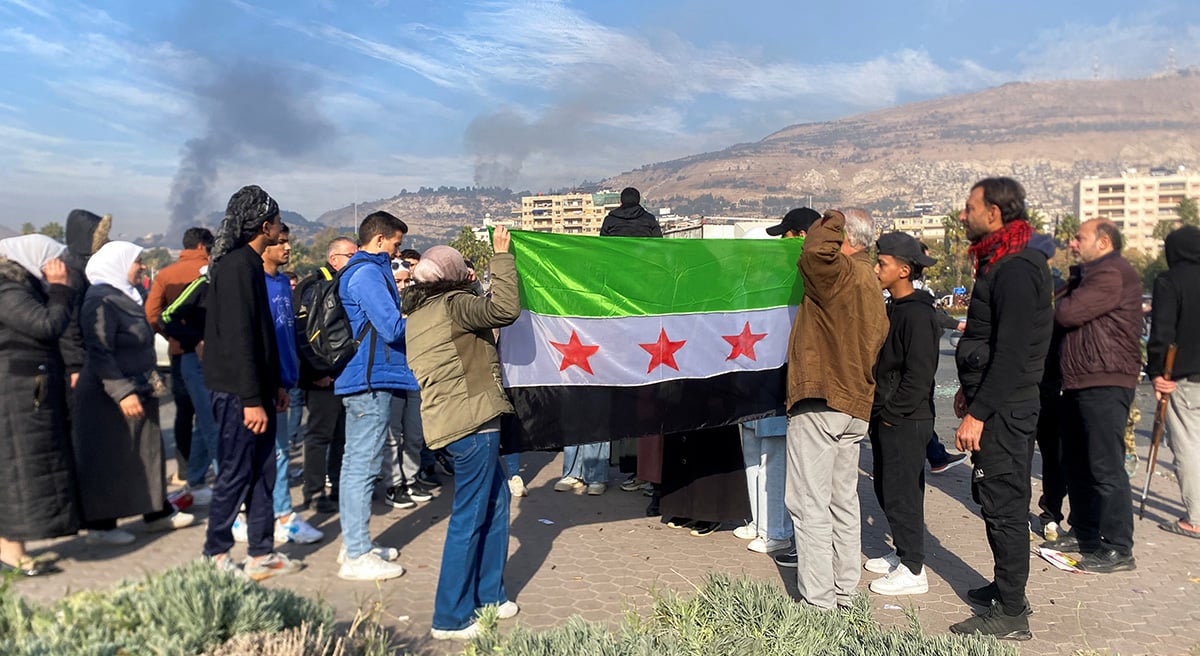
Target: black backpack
[(323, 330)]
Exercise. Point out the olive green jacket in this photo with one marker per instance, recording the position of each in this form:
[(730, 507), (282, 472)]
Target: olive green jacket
[(452, 351)]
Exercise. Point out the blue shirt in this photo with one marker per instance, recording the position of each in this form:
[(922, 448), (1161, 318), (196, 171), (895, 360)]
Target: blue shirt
[(279, 294)]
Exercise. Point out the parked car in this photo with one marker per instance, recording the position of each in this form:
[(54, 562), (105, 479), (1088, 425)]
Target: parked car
[(162, 353)]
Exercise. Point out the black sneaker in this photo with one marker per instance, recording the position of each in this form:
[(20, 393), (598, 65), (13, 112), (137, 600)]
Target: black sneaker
[(325, 505), (988, 594), (444, 463), (428, 477), (398, 497), (418, 492), (787, 559), (1107, 561), (996, 623), (954, 459), (1065, 542)]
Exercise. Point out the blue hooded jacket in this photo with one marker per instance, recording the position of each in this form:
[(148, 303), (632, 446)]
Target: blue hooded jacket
[(368, 293)]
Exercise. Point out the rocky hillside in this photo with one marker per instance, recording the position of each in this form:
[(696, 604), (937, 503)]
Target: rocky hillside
[(1046, 134), (434, 216)]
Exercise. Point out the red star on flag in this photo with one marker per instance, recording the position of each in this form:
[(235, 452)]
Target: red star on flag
[(743, 343), (575, 353), (663, 351)]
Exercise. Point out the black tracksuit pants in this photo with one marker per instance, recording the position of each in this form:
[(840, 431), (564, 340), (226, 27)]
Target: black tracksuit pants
[(1000, 485), (1094, 457), (245, 474), (899, 472)]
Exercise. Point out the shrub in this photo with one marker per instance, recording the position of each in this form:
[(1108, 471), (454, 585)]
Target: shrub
[(734, 616), (183, 610)]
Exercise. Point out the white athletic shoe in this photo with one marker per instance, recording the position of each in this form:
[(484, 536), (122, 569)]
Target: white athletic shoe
[(295, 529), (767, 545), (369, 567), (901, 581), (746, 532), (883, 564), (468, 633)]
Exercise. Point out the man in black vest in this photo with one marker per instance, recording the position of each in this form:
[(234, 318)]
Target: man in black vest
[(1000, 360)]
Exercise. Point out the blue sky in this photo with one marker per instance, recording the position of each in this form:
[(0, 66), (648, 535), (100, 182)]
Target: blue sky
[(322, 101)]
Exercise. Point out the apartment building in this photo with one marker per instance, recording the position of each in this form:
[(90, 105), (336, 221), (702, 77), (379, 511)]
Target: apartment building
[(579, 214), (1136, 203), (922, 224)]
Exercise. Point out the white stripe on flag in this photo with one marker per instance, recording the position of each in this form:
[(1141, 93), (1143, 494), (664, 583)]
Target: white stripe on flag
[(620, 351)]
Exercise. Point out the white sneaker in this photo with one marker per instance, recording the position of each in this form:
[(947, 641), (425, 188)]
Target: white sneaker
[(469, 633), (566, 484), (883, 564), (171, 522), (202, 496), (114, 537), (295, 529), (767, 545), (901, 581), (240, 532), (370, 567), (517, 487), (1051, 531), (596, 489), (507, 610), (746, 532), (385, 553)]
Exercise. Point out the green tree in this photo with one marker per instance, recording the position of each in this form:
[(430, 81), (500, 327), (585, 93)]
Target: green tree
[(28, 228), (54, 230), (156, 258), (1188, 213), (479, 252), (1065, 228), (1037, 220), (953, 268), (309, 255)]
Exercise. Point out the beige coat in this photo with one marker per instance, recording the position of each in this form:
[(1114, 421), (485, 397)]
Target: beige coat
[(840, 326), (452, 351)]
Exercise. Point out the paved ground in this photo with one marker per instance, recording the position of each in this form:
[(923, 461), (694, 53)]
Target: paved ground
[(600, 556)]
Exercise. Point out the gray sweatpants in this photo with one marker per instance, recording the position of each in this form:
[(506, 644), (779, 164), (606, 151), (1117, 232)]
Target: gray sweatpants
[(1183, 436), (822, 497)]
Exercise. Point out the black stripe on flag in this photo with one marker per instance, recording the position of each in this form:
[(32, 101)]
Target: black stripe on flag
[(550, 417)]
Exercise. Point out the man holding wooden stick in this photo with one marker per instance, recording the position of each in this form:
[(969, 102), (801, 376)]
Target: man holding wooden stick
[(1176, 320)]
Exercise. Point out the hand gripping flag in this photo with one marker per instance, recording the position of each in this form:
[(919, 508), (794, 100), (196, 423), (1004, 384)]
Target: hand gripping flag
[(627, 337)]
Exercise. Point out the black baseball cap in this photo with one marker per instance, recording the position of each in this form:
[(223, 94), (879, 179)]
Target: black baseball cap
[(798, 220), (903, 246)]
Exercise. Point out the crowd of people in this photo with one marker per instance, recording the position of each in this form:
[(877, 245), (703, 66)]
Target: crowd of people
[(393, 353)]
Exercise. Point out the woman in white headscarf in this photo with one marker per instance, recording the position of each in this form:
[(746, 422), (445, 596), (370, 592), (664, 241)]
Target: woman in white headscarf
[(37, 484), (116, 433)]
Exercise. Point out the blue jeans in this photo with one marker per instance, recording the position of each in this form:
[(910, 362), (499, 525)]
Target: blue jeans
[(283, 442), (512, 464), (935, 453), (204, 437), (765, 457), (588, 463), (367, 416), (472, 574), (295, 414)]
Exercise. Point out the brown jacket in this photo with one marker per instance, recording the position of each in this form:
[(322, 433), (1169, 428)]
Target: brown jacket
[(1101, 318), (840, 326), (169, 284)]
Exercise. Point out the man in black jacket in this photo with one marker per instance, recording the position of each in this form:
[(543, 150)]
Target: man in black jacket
[(902, 414), (1000, 359), (325, 437), (242, 371), (630, 219), (1175, 319)]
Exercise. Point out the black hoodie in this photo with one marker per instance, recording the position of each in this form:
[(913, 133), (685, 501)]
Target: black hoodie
[(630, 221), (86, 233), (908, 361), (1175, 316)]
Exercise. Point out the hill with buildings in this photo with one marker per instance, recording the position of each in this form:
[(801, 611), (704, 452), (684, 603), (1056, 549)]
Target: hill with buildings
[(1048, 135)]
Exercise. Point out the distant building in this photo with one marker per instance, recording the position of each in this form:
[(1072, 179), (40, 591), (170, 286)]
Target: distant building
[(920, 222), (1137, 203), (577, 213)]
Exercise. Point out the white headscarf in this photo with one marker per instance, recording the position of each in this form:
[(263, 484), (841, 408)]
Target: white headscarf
[(110, 266), (32, 252)]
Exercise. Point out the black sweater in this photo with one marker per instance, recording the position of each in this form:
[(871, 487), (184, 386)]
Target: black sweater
[(240, 354), (1175, 316), (1002, 355), (630, 221), (908, 361)]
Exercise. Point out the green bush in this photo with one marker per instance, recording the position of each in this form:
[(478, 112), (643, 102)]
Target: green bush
[(734, 616), (181, 611)]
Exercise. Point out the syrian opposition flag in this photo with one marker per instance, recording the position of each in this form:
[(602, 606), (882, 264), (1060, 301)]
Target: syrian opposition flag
[(626, 337)]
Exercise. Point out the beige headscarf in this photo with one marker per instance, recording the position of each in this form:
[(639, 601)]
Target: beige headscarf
[(440, 263)]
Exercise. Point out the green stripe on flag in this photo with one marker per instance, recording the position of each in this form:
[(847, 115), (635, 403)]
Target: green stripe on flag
[(585, 276)]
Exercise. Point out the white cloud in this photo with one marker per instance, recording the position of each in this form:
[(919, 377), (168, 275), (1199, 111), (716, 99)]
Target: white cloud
[(15, 39), (38, 9)]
